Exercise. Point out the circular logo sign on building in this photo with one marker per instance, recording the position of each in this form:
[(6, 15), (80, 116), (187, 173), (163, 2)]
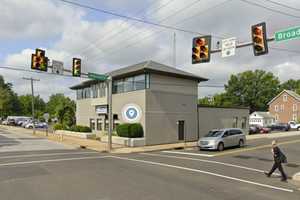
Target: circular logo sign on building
[(131, 113)]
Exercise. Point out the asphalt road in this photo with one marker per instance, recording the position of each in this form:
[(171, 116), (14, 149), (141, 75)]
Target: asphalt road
[(81, 174)]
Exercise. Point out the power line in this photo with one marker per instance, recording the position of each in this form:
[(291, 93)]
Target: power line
[(93, 44), (152, 82), (270, 9), (130, 18), (283, 5), (155, 33)]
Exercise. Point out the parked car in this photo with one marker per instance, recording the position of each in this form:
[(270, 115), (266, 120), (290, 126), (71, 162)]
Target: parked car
[(280, 127), (223, 138), (5, 122), (294, 125), (36, 124), (264, 130), (253, 129)]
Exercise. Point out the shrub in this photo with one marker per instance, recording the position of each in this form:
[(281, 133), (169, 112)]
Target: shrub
[(136, 130), (130, 130), (81, 129), (58, 127)]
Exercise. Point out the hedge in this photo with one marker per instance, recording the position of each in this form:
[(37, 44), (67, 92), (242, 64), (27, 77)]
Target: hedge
[(81, 129), (130, 130)]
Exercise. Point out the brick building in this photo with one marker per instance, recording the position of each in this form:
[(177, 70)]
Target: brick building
[(285, 106)]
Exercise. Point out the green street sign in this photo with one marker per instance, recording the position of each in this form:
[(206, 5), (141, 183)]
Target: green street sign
[(287, 34), (99, 77)]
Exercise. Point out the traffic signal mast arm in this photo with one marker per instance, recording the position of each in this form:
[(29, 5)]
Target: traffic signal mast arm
[(241, 45)]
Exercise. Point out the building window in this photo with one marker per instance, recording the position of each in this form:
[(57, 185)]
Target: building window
[(138, 82), (285, 98), (295, 117), (276, 108), (99, 124), (276, 117), (295, 107), (235, 122), (281, 108), (92, 124), (244, 122)]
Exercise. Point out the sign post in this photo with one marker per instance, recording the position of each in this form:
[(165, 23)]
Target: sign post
[(287, 34)]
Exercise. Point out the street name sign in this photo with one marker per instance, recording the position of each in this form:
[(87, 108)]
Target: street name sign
[(287, 34), (228, 47), (100, 77)]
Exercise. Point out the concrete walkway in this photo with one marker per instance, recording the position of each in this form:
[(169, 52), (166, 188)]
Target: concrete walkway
[(102, 147)]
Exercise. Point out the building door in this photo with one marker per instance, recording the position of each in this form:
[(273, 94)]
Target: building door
[(180, 130)]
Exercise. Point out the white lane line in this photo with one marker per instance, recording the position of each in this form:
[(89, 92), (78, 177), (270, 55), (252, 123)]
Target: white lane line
[(208, 161), (186, 153), (52, 160), (46, 154), (203, 172)]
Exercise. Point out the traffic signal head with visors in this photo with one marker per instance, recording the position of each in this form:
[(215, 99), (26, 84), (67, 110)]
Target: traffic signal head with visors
[(76, 68), (259, 39), (39, 61), (201, 49)]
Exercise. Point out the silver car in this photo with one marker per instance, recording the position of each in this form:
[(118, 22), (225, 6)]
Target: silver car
[(223, 138)]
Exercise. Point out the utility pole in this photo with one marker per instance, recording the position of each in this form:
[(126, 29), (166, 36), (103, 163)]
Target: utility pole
[(32, 101), (110, 116), (174, 50)]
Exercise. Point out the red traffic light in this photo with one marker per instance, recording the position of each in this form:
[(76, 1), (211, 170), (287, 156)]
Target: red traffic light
[(259, 39), (201, 49)]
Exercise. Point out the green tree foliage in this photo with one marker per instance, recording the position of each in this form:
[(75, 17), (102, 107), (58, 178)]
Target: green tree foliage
[(62, 108), (9, 104), (26, 105), (253, 89), (291, 84)]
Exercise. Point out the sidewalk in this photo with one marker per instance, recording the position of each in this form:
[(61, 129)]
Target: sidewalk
[(102, 147)]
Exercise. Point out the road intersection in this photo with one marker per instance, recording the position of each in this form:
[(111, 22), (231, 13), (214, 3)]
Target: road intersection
[(177, 174)]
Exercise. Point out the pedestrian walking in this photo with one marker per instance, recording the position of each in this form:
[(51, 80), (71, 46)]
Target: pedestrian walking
[(279, 158)]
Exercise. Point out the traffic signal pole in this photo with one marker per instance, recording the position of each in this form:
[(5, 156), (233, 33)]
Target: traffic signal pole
[(110, 116), (32, 100), (241, 45)]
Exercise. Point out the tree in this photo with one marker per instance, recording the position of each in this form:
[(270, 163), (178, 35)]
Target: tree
[(62, 108), (291, 84), (26, 105), (253, 89), (9, 104)]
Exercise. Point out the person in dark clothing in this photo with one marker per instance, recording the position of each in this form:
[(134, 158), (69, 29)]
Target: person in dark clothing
[(278, 155)]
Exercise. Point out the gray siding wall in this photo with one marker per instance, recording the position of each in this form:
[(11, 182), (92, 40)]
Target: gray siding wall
[(169, 100), (217, 118)]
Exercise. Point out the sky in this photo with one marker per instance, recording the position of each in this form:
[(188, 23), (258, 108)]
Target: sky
[(106, 42)]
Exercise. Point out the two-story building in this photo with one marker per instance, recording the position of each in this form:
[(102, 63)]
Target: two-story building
[(163, 99), (285, 106)]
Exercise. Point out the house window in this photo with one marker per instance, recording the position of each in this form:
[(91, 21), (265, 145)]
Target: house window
[(276, 117), (295, 117), (285, 98), (281, 108), (276, 108), (295, 107)]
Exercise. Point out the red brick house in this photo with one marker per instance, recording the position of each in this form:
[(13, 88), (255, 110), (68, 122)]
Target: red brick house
[(285, 106)]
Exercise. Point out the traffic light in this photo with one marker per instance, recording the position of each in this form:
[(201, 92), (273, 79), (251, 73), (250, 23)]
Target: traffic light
[(201, 49), (259, 39), (76, 68), (39, 61)]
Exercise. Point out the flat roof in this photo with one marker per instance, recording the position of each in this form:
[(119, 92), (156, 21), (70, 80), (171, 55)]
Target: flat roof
[(144, 67), (229, 107)]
